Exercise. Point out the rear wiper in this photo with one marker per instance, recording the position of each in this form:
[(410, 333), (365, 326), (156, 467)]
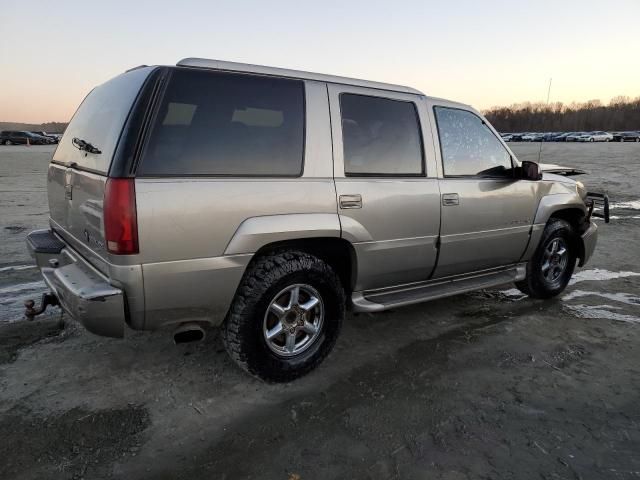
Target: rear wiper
[(85, 146)]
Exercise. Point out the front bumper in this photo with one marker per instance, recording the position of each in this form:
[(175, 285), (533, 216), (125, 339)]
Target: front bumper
[(83, 292), (588, 241)]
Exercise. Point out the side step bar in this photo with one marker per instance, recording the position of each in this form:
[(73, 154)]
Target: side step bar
[(378, 300)]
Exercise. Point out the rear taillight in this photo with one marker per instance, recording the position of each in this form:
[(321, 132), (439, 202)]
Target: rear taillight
[(120, 220)]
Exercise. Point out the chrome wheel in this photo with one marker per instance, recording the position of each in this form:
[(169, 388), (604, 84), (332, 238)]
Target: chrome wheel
[(293, 320), (555, 260)]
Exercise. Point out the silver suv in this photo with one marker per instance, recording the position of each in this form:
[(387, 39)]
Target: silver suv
[(267, 201)]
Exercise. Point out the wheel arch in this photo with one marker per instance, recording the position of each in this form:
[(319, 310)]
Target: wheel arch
[(568, 206), (576, 218), (336, 252), (318, 234)]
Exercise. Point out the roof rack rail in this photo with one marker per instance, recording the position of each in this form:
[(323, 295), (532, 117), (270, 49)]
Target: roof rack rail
[(285, 72), (135, 68)]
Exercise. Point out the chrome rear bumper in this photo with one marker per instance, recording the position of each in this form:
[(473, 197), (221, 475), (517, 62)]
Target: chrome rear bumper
[(83, 292)]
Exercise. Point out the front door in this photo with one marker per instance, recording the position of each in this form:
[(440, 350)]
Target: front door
[(486, 212)]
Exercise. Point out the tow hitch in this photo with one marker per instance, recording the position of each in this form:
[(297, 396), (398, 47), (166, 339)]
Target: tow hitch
[(46, 300)]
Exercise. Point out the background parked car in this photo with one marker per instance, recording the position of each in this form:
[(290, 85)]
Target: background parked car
[(626, 137), (47, 135), (17, 137), (532, 137), (560, 136), (598, 136), (57, 136), (573, 137), (516, 137)]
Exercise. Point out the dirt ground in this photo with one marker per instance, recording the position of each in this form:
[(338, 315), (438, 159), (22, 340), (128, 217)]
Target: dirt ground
[(482, 385)]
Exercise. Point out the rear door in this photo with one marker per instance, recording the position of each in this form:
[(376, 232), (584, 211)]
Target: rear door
[(486, 212), (385, 177), (76, 178)]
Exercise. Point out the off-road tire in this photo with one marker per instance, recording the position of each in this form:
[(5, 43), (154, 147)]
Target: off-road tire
[(535, 285), (242, 332)]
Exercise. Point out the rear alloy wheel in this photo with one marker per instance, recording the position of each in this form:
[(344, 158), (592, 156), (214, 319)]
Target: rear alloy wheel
[(293, 320), (7, 142), (592, 140), (285, 317), (552, 265)]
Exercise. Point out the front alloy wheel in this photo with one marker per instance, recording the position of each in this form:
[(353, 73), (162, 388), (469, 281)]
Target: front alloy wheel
[(556, 260), (551, 266)]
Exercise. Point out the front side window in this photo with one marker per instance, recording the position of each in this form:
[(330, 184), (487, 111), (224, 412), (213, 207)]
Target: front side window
[(380, 136), (469, 147), (227, 124)]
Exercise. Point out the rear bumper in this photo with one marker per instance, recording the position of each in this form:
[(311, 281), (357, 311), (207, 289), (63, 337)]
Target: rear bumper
[(588, 243), (83, 292)]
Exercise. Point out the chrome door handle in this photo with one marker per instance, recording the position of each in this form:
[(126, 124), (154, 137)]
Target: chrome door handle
[(68, 184), (350, 201), (449, 199)]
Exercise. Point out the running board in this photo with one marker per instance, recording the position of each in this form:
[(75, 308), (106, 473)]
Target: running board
[(384, 299)]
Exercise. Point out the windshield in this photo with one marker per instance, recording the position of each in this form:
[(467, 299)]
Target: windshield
[(99, 121)]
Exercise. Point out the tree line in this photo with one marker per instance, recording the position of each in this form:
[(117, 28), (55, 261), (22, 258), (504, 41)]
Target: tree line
[(622, 113), (49, 127)]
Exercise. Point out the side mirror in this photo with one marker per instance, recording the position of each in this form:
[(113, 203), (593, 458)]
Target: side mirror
[(530, 171)]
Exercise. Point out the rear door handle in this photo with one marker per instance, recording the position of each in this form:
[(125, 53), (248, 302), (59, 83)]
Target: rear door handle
[(450, 199), (350, 201)]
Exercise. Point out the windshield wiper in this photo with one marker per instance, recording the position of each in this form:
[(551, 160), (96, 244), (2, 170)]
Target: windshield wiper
[(84, 145)]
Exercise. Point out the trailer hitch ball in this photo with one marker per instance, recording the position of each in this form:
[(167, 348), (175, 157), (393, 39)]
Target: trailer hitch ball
[(47, 299)]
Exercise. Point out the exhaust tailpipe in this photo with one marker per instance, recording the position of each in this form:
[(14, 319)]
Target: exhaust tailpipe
[(188, 332)]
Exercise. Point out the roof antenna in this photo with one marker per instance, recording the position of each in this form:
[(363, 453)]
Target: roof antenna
[(548, 95)]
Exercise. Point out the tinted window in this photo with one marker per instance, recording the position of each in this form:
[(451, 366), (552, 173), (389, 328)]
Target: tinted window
[(99, 120), (468, 146), (380, 136), (212, 123)]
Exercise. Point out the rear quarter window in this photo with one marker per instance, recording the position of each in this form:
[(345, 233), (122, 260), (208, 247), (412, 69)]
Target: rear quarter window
[(99, 120), (226, 124)]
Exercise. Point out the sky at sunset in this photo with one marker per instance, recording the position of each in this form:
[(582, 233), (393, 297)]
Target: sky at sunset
[(484, 53)]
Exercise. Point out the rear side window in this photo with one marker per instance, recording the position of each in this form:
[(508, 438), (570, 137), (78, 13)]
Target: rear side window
[(226, 124), (380, 136), (468, 146), (99, 120)]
